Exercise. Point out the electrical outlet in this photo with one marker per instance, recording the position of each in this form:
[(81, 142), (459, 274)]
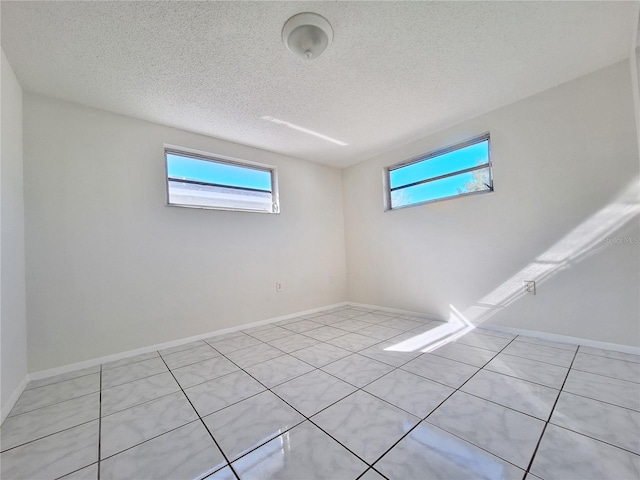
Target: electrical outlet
[(530, 287), (278, 286)]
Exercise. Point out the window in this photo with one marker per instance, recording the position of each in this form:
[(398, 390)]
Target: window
[(202, 181), (463, 169)]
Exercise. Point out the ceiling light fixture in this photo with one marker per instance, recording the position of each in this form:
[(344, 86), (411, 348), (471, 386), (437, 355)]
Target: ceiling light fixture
[(304, 130), (307, 35)]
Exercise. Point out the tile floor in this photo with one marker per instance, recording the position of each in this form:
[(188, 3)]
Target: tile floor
[(327, 396)]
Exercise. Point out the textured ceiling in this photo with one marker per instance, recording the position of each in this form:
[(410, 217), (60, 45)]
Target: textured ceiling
[(396, 71)]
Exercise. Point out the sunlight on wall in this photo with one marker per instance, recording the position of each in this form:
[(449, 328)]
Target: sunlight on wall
[(590, 237)]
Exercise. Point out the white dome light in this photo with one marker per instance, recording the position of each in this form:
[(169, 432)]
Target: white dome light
[(307, 35)]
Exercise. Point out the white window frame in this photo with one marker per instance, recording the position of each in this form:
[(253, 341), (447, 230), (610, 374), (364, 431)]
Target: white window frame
[(433, 154), (222, 159)]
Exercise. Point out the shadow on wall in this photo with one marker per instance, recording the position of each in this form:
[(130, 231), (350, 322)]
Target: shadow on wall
[(589, 238)]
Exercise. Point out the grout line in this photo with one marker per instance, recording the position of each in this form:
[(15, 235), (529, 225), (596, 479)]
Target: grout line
[(128, 363), (612, 358), (601, 401), (49, 435), (224, 455), (306, 418), (100, 424), (540, 361), (544, 428), (147, 440), (60, 381), (51, 404), (437, 426)]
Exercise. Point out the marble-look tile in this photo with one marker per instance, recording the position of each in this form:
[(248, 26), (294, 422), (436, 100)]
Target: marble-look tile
[(62, 377), (526, 397), (302, 326), (401, 324), (188, 357), (548, 343), (531, 370), (272, 333), (508, 434), (412, 393), (26, 427), (325, 333), (137, 424), (357, 370), (328, 319), (278, 370), (321, 354), (430, 452), (353, 342), (253, 355), (313, 391), (606, 389), (53, 456), (365, 424), (441, 370), (250, 423), (221, 392), (182, 348), (376, 317), (224, 336), (601, 352), (304, 452), (478, 357), (86, 473), (568, 455), (130, 373), (137, 392), (615, 425), (480, 340), (425, 327), (352, 325), (238, 342), (541, 353), (200, 372), (223, 474), (380, 332), (371, 474), (55, 393), (293, 342), (495, 333), (159, 458), (383, 352), (410, 334), (418, 318), (129, 360), (610, 367), (350, 312)]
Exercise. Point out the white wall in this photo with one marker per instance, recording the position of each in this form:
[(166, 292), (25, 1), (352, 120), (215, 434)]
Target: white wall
[(13, 322), (566, 179), (110, 268)]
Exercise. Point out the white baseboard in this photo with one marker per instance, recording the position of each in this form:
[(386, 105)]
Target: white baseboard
[(518, 331), (152, 348), (553, 337), (161, 346), (5, 409)]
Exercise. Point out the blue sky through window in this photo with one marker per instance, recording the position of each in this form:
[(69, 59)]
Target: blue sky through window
[(454, 161), (219, 173)]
